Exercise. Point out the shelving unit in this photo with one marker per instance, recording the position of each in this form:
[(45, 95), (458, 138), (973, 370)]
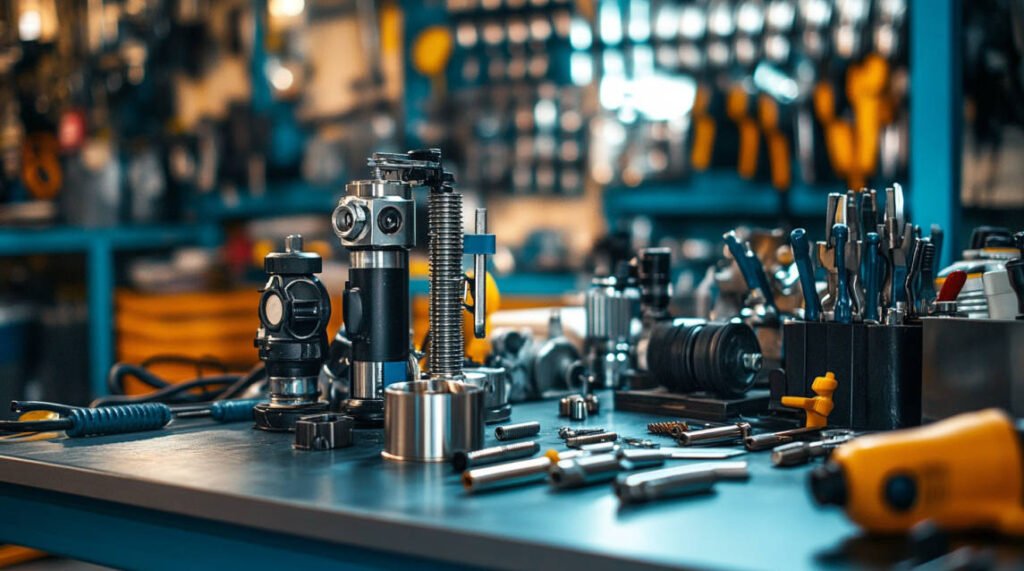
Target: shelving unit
[(713, 194), (100, 245)]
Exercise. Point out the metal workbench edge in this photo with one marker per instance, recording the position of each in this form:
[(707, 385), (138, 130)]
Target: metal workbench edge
[(362, 529)]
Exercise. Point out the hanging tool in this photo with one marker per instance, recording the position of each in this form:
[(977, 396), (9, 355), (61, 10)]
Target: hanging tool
[(79, 422), (842, 312), (802, 256), (819, 406), (963, 473), (751, 268), (870, 278)]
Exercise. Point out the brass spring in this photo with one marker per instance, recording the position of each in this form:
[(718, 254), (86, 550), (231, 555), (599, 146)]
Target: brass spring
[(668, 427)]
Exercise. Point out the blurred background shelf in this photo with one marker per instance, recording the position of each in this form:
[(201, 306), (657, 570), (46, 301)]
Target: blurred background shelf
[(58, 239), (715, 194), (531, 284), (281, 199)]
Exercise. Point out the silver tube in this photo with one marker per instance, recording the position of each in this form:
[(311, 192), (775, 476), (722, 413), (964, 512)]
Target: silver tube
[(480, 281), (512, 473), (736, 431), (676, 481), (463, 460), (516, 431), (583, 471), (584, 439)]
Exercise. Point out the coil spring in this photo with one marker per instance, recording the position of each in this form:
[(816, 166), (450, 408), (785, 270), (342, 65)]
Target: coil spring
[(118, 419), (666, 427), (447, 285)]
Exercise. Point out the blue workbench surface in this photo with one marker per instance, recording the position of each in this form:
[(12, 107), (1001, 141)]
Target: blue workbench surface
[(345, 504)]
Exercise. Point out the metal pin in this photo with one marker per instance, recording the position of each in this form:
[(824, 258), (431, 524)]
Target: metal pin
[(729, 432), (582, 440), (462, 460), (515, 431)]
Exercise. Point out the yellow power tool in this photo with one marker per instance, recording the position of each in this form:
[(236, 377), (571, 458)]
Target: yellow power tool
[(963, 473)]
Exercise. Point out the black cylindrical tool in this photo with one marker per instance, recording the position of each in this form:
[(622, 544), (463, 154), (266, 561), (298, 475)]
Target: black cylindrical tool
[(697, 355), (292, 339), (375, 222)]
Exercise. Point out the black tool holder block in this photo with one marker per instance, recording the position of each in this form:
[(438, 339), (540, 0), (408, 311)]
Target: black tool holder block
[(878, 368)]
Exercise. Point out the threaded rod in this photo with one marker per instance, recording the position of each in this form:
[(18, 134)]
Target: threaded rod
[(447, 284)]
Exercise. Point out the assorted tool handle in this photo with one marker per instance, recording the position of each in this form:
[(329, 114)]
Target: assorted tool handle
[(874, 268)]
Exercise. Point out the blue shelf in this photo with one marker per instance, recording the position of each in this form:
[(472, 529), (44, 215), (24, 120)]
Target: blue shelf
[(278, 200), (100, 244), (59, 239), (524, 284), (713, 194)]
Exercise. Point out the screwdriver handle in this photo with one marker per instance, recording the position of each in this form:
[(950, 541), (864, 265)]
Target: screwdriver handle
[(936, 234), (843, 310), (739, 253), (926, 289), (750, 267), (802, 256), (234, 410), (951, 287), (910, 284), (870, 270)]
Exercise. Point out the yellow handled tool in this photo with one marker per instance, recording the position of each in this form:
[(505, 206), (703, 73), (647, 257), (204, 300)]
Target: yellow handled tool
[(965, 472)]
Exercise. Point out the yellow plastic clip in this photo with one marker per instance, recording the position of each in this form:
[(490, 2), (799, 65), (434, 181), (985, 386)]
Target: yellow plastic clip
[(818, 407)]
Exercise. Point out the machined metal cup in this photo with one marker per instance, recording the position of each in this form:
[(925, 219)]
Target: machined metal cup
[(428, 421)]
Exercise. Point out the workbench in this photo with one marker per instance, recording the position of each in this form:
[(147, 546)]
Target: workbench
[(202, 495)]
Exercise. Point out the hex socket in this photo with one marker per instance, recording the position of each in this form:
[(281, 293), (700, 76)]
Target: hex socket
[(463, 460), (516, 431)]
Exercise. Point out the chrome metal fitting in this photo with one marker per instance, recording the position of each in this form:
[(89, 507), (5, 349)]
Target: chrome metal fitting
[(565, 404), (428, 421), (676, 481), (496, 385), (570, 431), (510, 474), (584, 439), (578, 410), (597, 468), (516, 431), (463, 460), (737, 431), (323, 431), (375, 214)]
